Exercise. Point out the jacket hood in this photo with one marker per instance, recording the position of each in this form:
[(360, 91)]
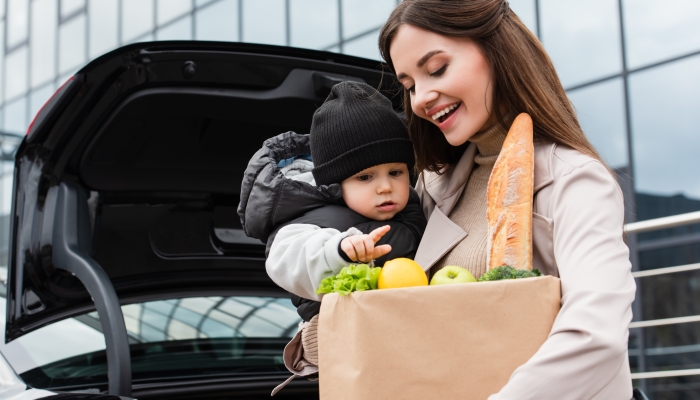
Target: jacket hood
[(269, 198)]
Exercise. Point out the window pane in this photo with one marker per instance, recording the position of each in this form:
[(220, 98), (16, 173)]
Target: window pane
[(178, 30), (137, 18), (16, 116), (525, 10), (16, 73), (601, 112), (365, 46), (71, 39), (6, 205), (17, 21), (362, 15), (665, 119), (667, 255), (213, 342), (264, 21), (199, 3), (103, 26), (2, 59), (39, 97), (668, 347), (582, 38), (660, 29), (63, 78), (670, 295), (69, 7), (677, 387), (168, 10), (43, 40), (2, 8), (218, 21), (314, 23), (145, 38)]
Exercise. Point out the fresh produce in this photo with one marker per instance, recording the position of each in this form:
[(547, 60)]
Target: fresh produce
[(508, 272), (401, 272), (353, 278), (452, 274)]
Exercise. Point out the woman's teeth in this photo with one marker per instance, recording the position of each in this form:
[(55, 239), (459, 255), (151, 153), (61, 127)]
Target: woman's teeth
[(445, 111)]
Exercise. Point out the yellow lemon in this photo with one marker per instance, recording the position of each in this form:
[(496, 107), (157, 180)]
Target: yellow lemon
[(401, 272)]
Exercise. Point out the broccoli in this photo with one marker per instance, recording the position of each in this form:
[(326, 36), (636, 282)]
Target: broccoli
[(508, 272)]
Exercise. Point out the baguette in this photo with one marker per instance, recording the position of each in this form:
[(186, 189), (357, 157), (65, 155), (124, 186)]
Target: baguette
[(509, 199)]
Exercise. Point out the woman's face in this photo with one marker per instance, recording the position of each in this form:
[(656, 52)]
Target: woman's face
[(449, 81)]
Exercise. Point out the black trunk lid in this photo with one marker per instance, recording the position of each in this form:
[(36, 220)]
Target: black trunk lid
[(153, 138)]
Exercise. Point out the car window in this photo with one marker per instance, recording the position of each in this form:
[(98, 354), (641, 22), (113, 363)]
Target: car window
[(172, 338)]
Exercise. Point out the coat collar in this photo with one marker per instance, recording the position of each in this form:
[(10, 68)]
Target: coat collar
[(446, 188)]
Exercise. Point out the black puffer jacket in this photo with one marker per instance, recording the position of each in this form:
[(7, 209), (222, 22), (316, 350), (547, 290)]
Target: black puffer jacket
[(270, 201)]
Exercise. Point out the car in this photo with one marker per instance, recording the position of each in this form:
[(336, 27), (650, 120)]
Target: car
[(129, 273)]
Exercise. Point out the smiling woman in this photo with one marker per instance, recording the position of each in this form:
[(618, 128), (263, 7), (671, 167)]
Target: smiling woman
[(489, 60), (458, 71), (468, 68)]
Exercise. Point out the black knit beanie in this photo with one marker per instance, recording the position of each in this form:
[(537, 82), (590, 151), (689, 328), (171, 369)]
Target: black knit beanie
[(356, 128)]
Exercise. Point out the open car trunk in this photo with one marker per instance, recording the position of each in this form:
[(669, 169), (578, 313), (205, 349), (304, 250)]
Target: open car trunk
[(127, 184)]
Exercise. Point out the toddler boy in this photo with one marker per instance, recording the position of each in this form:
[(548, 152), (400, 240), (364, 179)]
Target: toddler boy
[(358, 207)]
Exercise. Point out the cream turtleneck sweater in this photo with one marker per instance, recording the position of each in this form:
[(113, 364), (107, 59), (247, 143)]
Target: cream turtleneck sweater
[(470, 211)]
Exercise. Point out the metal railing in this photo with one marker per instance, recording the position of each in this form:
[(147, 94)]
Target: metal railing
[(654, 225)]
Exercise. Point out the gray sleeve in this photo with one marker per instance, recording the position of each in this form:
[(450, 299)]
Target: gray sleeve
[(302, 255)]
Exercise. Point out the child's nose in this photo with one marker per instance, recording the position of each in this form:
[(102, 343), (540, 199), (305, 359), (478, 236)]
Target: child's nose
[(384, 186)]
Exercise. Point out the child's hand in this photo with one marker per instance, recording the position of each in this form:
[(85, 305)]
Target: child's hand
[(361, 247)]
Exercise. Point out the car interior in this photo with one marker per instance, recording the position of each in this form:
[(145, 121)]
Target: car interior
[(157, 173)]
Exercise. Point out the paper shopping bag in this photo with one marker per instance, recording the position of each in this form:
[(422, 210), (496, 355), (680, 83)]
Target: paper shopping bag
[(458, 341)]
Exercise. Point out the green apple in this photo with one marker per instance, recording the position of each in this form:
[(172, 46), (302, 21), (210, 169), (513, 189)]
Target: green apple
[(452, 274)]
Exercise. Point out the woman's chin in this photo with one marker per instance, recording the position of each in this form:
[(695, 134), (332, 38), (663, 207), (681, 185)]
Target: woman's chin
[(457, 138)]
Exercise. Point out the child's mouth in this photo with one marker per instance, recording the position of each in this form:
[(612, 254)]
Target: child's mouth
[(387, 206)]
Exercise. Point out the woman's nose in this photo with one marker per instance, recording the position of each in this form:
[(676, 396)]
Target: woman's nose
[(422, 99)]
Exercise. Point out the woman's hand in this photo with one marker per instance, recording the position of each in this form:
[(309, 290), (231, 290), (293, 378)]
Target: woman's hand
[(362, 247)]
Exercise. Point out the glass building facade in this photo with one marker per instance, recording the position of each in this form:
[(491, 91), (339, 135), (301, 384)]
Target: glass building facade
[(630, 68)]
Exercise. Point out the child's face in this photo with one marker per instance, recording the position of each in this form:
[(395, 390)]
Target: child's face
[(378, 192)]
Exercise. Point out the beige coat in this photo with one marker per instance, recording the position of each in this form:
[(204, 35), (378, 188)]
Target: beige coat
[(578, 219)]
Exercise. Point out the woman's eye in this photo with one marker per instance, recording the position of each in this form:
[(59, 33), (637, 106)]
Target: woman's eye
[(412, 89), (440, 71), (363, 178)]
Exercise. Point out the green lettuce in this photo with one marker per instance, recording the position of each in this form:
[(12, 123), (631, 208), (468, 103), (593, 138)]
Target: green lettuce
[(353, 278)]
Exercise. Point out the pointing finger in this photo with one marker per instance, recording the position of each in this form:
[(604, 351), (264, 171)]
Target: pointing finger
[(379, 232)]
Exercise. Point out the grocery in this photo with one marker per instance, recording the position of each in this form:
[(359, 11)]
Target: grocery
[(452, 274), (353, 278), (447, 342), (508, 272), (509, 199), (401, 272)]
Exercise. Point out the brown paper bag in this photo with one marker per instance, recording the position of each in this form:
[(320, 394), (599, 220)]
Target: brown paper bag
[(459, 341)]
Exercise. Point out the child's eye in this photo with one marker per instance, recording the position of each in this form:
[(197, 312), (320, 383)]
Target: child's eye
[(396, 172), (363, 178)]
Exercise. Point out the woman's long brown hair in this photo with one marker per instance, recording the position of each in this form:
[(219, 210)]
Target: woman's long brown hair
[(524, 78)]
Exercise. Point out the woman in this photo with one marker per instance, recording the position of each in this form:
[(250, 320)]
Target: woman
[(468, 68)]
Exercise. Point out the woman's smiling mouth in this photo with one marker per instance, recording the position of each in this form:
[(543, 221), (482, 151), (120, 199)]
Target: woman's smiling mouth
[(445, 113)]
